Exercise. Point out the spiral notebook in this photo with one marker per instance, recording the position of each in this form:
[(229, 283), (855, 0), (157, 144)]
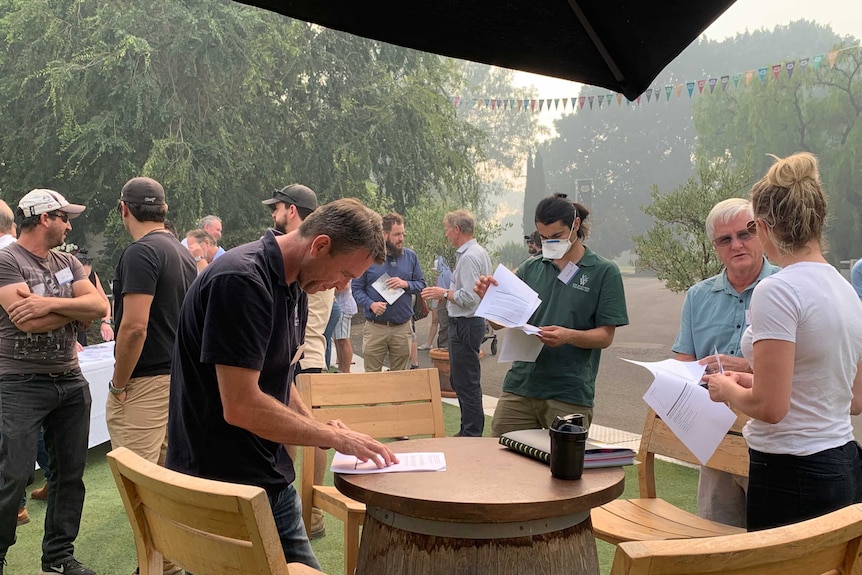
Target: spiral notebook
[(536, 443)]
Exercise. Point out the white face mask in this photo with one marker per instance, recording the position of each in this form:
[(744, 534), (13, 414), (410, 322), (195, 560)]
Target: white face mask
[(557, 249)]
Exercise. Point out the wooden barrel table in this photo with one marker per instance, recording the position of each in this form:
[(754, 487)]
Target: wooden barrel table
[(492, 512)]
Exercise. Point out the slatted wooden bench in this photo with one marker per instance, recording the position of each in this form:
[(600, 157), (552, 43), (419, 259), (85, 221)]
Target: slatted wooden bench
[(652, 518)]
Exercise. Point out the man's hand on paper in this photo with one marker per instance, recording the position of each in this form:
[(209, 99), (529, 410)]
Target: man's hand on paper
[(363, 447), (554, 335), (481, 287), (728, 362), (396, 282)]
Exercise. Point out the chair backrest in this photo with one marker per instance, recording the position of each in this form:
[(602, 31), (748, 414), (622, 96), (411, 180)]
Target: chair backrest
[(385, 404), (657, 439), (204, 526), (829, 544)]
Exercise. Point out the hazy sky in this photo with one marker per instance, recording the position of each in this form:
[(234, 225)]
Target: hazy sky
[(845, 17)]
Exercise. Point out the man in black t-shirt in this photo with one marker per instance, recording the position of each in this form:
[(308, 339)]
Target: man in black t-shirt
[(238, 343)]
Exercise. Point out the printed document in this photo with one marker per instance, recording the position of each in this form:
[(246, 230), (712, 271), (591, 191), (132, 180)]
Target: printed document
[(348, 464), (519, 345), (677, 397), (389, 294)]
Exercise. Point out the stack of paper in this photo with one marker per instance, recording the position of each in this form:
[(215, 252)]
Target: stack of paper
[(511, 303), (431, 461)]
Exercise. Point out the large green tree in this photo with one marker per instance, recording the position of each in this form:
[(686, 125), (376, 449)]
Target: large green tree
[(222, 103), (818, 109)]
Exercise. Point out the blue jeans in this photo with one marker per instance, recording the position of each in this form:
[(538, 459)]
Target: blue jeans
[(287, 510), (61, 405), (465, 372), (785, 489), (334, 316)]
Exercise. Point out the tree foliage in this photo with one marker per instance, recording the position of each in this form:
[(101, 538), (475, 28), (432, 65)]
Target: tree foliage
[(818, 110), (676, 247), (222, 103)]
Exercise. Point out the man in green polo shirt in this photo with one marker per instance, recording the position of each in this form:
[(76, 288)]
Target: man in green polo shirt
[(582, 305)]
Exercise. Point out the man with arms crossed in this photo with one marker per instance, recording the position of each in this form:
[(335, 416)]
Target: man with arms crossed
[(232, 409), (466, 331), (714, 316), (45, 295)]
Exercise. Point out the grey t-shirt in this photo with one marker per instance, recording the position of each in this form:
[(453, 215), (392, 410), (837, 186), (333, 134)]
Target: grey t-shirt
[(52, 276)]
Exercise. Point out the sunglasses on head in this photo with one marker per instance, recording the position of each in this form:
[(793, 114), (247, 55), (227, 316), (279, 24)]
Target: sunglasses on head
[(750, 232), (62, 215)]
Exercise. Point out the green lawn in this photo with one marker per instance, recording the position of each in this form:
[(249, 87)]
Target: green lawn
[(105, 541)]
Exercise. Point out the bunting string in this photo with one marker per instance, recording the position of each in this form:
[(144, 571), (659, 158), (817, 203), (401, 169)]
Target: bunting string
[(692, 88)]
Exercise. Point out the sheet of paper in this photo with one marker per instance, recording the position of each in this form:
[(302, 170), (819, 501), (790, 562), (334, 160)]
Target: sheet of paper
[(518, 345), (389, 294), (348, 464), (699, 422), (677, 397), (511, 302)]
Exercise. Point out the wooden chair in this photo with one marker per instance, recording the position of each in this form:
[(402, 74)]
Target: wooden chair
[(206, 527), (650, 517), (827, 545), (382, 405)]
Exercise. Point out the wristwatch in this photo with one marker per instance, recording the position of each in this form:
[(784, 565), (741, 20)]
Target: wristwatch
[(198, 258), (115, 390), (445, 295)]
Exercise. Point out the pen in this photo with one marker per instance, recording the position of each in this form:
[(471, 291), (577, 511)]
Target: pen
[(718, 360)]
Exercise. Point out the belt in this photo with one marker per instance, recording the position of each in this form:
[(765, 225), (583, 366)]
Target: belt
[(387, 323)]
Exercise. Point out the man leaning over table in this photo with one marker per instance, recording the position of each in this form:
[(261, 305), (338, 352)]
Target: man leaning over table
[(233, 407), (45, 295), (714, 316)]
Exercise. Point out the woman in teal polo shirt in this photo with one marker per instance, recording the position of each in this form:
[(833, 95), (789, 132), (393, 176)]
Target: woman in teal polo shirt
[(583, 303)]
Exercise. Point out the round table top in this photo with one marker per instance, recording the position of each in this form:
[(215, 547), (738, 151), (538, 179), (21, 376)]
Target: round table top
[(484, 482)]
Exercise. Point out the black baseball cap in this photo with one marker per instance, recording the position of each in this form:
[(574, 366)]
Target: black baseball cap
[(294, 195), (145, 191)]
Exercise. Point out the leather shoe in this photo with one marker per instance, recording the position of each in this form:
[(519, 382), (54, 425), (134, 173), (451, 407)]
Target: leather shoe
[(318, 529), (23, 517), (40, 494)]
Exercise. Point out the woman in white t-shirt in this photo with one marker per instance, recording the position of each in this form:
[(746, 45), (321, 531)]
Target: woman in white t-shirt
[(805, 347)]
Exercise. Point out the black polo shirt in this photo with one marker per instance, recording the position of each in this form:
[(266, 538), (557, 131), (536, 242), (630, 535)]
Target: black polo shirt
[(240, 312)]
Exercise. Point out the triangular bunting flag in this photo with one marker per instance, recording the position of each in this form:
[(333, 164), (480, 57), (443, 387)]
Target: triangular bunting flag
[(648, 95), (833, 55), (565, 101), (532, 105), (762, 73), (736, 78), (667, 90), (456, 100), (619, 99), (487, 102), (541, 104), (526, 104), (700, 85), (789, 66), (712, 83), (776, 70), (690, 87), (724, 81), (679, 90), (494, 104), (557, 104), (475, 103), (581, 101), (638, 100), (803, 63), (590, 100)]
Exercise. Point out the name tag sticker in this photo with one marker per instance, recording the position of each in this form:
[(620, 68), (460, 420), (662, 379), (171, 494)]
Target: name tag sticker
[(64, 276), (568, 273)]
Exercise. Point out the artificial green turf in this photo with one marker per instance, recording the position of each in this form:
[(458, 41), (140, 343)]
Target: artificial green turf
[(105, 542)]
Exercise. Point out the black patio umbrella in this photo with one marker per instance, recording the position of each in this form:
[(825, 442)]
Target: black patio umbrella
[(618, 44)]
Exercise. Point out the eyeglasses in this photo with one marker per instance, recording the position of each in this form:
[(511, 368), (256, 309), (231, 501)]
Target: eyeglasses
[(746, 236), (62, 215)]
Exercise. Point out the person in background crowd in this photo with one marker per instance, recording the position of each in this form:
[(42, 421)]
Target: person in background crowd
[(44, 295), (212, 226), (534, 243), (8, 230), (387, 329), (203, 248), (290, 206), (582, 305), (334, 314), (152, 277), (856, 277), (341, 335), (714, 316), (105, 329), (466, 330), (233, 406), (805, 347), (444, 280)]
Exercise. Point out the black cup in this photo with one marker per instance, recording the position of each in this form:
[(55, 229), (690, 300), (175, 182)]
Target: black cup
[(568, 444)]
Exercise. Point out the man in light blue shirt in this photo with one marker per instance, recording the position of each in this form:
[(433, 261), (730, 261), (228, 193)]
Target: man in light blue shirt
[(714, 315)]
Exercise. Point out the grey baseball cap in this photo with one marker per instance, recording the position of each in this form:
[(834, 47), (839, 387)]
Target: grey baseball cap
[(294, 195)]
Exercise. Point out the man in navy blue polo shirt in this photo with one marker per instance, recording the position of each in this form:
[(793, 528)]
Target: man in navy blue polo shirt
[(238, 343)]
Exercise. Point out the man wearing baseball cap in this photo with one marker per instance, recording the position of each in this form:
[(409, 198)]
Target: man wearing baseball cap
[(44, 295), (290, 205)]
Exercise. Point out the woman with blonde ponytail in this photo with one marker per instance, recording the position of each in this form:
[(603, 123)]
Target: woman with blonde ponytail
[(804, 343)]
